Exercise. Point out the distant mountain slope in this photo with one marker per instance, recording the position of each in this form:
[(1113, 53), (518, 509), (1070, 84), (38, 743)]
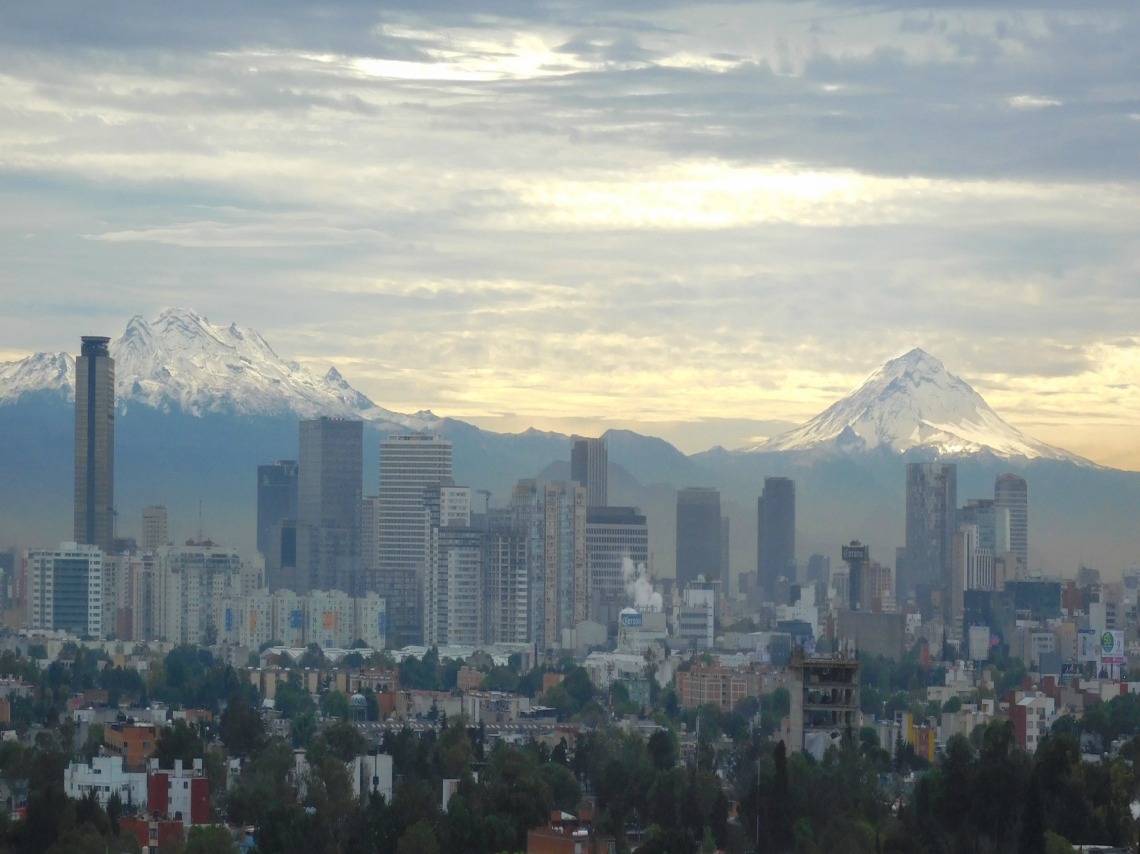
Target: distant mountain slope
[(910, 403)]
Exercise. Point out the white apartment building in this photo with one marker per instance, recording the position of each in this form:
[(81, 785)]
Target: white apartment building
[(65, 590)]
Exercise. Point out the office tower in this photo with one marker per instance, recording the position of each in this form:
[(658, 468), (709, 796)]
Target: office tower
[(95, 444), (506, 587), (698, 535), (329, 476), (409, 464), (973, 569), (613, 535), (276, 498), (528, 518), (776, 533), (155, 528), (725, 546), (931, 511), (65, 590), (858, 559), (329, 472), (589, 462), (1012, 493), (819, 568), (981, 512)]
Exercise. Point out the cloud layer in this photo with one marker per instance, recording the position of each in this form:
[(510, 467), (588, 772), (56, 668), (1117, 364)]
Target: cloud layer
[(658, 214)]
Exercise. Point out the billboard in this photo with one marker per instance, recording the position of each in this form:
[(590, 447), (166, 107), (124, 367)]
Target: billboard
[(1088, 645), (632, 621), (296, 619), (1112, 647)]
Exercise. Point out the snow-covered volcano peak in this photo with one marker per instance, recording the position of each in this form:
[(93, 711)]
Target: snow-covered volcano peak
[(912, 401), (182, 362)]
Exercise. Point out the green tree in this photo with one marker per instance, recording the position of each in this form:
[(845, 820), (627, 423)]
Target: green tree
[(419, 839), (209, 839), (179, 741), (241, 727)]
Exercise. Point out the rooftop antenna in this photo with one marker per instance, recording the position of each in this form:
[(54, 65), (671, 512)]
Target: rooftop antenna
[(199, 521)]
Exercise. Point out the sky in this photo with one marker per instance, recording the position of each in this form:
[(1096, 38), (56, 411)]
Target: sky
[(702, 221)]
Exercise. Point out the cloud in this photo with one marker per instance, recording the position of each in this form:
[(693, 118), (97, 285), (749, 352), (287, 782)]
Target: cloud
[(693, 212)]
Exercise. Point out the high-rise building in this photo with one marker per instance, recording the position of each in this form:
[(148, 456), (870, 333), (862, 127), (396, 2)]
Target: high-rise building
[(329, 472), (551, 520), (95, 444), (566, 569), (698, 535), (613, 536), (453, 584), (981, 512), (931, 514), (276, 498), (65, 589), (155, 528), (589, 464), (858, 559), (1012, 493), (329, 476), (192, 583), (409, 464), (506, 586), (776, 532)]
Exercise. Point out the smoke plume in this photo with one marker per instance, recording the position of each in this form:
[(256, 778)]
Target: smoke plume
[(638, 585)]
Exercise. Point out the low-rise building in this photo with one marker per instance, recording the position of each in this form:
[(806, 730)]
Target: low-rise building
[(105, 776)]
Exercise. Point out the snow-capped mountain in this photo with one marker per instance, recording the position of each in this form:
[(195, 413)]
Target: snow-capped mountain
[(51, 372), (914, 402), (182, 362)]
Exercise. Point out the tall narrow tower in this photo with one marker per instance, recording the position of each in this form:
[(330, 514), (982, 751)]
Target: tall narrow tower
[(776, 533), (95, 444), (589, 464)]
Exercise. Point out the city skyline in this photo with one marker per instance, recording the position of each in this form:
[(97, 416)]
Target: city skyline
[(581, 217)]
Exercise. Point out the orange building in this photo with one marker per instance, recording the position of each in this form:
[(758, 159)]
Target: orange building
[(134, 742), (706, 684)]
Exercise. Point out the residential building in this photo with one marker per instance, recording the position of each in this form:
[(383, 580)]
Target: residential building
[(824, 698), (104, 776), (155, 528), (506, 590)]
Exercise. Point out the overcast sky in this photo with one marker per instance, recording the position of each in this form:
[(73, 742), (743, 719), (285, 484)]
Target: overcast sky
[(702, 221)]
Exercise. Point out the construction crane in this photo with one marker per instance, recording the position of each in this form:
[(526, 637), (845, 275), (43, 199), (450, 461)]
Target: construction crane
[(486, 493)]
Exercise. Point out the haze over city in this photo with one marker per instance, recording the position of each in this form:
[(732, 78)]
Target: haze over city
[(705, 222)]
